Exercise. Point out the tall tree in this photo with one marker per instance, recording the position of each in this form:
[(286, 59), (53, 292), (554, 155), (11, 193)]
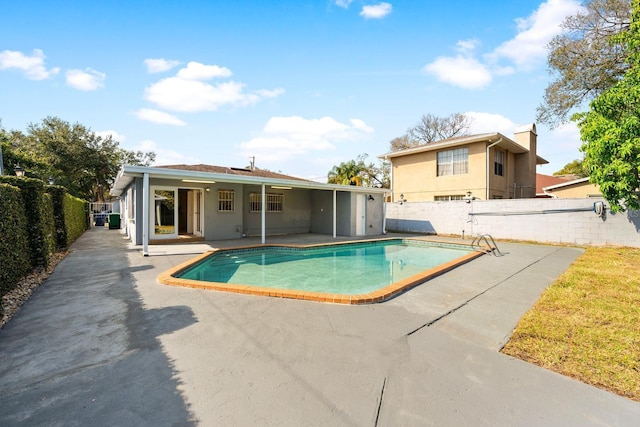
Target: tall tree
[(357, 172), (432, 128), (611, 129), (576, 167), (583, 59), (85, 163)]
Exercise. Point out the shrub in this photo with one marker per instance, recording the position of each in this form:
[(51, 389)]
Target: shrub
[(58, 193), (76, 218), (32, 191), (14, 248)]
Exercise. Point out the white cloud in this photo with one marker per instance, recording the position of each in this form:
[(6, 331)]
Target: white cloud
[(198, 71), (187, 92), (165, 156), (265, 93), (160, 65), (85, 80), (462, 71), (32, 66), (114, 135), (284, 138), (529, 46), (160, 117), (343, 3), (376, 11), (527, 49), (488, 123)]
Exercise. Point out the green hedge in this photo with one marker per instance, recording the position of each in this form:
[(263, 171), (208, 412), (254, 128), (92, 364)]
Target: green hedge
[(33, 225), (58, 194), (76, 217), (36, 209), (14, 247)]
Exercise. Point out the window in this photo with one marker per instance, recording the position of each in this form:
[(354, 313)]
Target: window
[(275, 202), (498, 164), (453, 162), (226, 201), (448, 198)]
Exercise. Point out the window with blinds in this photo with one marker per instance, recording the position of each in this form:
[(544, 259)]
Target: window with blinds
[(498, 164), (453, 162)]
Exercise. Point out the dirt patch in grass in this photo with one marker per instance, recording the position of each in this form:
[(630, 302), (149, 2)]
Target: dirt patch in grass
[(586, 325)]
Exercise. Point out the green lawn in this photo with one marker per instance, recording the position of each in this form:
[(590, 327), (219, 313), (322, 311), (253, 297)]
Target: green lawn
[(586, 325)]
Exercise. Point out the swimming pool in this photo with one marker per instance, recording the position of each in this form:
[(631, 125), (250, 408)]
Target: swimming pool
[(351, 273)]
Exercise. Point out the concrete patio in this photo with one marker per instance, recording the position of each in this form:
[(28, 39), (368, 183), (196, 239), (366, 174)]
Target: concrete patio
[(102, 343)]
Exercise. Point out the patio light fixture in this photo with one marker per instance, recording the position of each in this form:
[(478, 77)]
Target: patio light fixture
[(19, 170)]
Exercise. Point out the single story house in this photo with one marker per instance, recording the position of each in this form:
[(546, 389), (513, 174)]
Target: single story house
[(574, 189), (205, 202), (543, 181), (483, 166)]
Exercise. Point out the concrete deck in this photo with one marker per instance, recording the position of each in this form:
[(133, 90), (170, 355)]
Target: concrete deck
[(102, 343)]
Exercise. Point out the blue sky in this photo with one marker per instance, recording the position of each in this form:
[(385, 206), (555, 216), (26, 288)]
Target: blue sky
[(300, 85)]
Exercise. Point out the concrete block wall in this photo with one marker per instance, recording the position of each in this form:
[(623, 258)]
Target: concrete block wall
[(542, 220)]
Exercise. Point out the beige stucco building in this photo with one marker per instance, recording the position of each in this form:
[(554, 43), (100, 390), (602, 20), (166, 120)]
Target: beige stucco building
[(489, 166), (576, 189)]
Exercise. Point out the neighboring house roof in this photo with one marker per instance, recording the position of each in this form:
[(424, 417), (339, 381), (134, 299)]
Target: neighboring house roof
[(210, 173), (567, 184), (232, 171), (503, 142), (543, 181)]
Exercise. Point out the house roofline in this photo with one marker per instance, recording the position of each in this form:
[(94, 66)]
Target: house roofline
[(566, 184), (506, 143), (128, 173)]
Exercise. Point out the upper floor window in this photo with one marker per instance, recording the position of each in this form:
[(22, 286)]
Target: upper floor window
[(498, 164), (453, 162), (226, 201)]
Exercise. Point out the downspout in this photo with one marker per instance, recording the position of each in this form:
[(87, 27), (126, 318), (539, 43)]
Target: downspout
[(384, 214), (488, 148)]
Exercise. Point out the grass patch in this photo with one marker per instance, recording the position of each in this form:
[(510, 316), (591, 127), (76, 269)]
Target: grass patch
[(586, 325)]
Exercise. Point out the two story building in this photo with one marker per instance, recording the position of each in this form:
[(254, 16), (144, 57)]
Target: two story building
[(483, 166)]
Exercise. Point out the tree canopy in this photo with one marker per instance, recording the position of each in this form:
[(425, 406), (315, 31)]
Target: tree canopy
[(73, 155), (576, 167), (611, 129), (584, 59), (432, 128), (357, 172)]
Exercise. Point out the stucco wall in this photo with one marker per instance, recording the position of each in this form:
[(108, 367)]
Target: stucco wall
[(295, 217), (415, 175), (542, 220), (583, 189)]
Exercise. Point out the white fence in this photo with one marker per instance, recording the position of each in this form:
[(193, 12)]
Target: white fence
[(543, 220)]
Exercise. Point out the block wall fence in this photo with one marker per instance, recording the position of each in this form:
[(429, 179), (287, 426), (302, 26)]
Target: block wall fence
[(572, 221)]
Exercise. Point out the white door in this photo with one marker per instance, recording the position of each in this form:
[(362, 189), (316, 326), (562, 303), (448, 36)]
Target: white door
[(361, 223), (164, 213), (197, 217)]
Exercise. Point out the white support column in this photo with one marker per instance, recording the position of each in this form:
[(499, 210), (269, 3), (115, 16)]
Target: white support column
[(335, 212), (263, 213), (146, 197)]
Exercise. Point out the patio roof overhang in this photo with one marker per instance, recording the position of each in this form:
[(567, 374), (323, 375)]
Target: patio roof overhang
[(128, 173)]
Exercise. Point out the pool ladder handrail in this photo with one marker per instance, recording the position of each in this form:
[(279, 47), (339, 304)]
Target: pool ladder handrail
[(488, 240)]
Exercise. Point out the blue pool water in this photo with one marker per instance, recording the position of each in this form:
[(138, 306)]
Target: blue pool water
[(342, 269)]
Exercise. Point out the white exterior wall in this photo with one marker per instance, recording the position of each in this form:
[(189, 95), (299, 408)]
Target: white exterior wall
[(540, 220)]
